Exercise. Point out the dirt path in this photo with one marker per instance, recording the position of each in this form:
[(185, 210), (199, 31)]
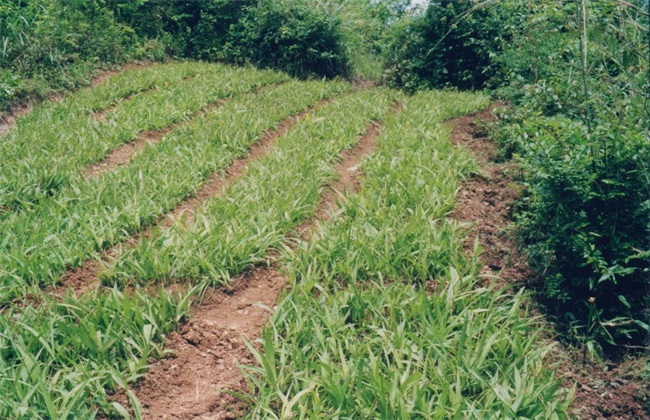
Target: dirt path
[(486, 201), (208, 350), (84, 278), (612, 390)]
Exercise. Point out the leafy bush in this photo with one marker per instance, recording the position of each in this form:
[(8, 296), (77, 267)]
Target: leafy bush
[(453, 44), (585, 221), (293, 36), (48, 45), (580, 132)]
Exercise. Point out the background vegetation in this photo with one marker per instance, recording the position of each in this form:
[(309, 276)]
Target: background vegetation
[(575, 72)]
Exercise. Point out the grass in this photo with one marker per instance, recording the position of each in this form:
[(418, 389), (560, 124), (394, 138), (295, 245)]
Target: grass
[(83, 219), (37, 154), (65, 359), (385, 316)]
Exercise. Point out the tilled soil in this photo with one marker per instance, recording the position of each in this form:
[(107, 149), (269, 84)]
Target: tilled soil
[(207, 352), (608, 391)]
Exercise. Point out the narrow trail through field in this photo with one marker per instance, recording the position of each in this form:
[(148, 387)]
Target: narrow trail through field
[(207, 352), (486, 202), (85, 277)]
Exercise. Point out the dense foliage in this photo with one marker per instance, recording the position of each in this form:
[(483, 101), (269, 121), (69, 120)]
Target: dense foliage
[(48, 45), (454, 43), (52, 44), (579, 129)]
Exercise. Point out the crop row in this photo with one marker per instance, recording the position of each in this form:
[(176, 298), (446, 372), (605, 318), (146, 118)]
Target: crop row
[(49, 147), (39, 245), (385, 316), (67, 359)]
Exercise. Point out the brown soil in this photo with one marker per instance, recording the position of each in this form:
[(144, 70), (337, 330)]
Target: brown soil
[(485, 202), (348, 177), (612, 390), (124, 153), (198, 381), (208, 350)]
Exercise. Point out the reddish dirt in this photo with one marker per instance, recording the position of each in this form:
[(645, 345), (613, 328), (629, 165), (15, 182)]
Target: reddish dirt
[(198, 381), (101, 114), (7, 122), (208, 350), (485, 201), (611, 390), (124, 153)]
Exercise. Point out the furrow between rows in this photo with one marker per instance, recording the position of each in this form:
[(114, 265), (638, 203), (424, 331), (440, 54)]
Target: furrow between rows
[(231, 233), (59, 353)]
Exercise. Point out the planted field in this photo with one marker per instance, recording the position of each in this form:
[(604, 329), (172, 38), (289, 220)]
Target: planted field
[(112, 256)]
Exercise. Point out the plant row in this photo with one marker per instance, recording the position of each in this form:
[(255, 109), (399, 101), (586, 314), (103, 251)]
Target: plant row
[(385, 316), (39, 245), (48, 149), (71, 358)]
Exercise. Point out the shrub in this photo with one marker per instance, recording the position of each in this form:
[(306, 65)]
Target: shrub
[(55, 44), (585, 221), (453, 44), (296, 37), (585, 217)]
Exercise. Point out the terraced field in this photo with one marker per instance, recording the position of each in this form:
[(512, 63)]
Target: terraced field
[(173, 223)]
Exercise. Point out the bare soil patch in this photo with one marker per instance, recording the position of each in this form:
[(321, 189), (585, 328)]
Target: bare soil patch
[(486, 201), (193, 382), (199, 380), (611, 390)]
